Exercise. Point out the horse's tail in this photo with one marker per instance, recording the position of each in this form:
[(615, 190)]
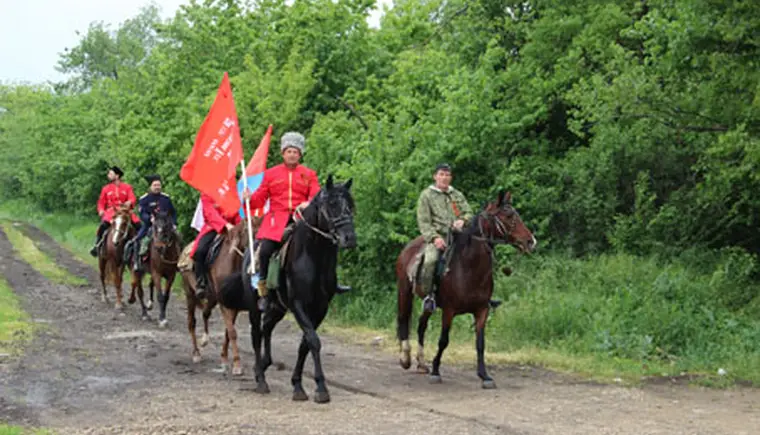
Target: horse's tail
[(405, 302), (232, 292)]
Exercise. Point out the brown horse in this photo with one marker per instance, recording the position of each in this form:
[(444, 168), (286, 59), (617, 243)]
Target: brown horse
[(467, 287), (229, 260), (110, 254), (163, 258)]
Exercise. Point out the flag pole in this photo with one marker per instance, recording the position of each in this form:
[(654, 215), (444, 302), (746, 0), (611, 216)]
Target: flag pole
[(252, 268)]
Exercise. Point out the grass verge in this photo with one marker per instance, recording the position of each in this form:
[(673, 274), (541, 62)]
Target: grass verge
[(74, 233), (15, 327), (18, 430), (26, 248)]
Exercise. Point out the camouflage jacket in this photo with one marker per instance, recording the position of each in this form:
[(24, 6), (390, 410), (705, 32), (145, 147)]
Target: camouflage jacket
[(437, 210)]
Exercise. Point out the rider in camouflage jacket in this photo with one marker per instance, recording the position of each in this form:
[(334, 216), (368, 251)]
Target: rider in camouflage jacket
[(439, 208)]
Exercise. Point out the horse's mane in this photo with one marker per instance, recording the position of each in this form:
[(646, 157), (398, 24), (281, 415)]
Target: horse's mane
[(463, 238)]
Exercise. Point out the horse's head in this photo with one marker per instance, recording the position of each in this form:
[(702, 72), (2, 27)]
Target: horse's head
[(334, 206), (503, 224), (163, 228), (120, 224)]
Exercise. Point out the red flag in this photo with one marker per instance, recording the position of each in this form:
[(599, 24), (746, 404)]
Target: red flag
[(217, 151)]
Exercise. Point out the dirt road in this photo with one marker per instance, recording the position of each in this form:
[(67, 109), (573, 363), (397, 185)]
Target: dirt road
[(90, 371)]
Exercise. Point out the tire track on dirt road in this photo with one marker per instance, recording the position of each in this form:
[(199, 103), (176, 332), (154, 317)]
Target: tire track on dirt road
[(133, 373)]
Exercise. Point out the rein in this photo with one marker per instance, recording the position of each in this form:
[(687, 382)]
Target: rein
[(331, 235), (503, 230)]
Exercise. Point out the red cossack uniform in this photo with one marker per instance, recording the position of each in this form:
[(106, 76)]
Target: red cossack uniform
[(286, 189), (112, 197), (214, 219)]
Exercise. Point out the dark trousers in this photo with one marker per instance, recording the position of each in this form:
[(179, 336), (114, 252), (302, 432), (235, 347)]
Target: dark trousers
[(266, 250), (103, 226), (201, 269)]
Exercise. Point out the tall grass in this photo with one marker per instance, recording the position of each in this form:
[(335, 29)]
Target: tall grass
[(617, 314)]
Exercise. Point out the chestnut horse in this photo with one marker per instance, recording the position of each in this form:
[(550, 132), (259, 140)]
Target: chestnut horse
[(229, 260), (110, 254), (466, 287)]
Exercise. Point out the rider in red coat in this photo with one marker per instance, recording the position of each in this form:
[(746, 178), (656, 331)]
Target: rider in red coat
[(112, 196), (287, 186), (214, 222)]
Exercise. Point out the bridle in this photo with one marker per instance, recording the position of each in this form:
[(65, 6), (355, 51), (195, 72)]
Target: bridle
[(345, 217), (118, 234), (162, 245), (503, 230)]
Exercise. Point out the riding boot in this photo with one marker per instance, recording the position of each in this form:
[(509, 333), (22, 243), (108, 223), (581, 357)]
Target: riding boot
[(201, 282), (263, 292), (94, 250)]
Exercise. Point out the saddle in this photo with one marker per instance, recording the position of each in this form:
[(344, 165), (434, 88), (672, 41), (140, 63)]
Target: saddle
[(186, 264), (277, 259), (414, 270)]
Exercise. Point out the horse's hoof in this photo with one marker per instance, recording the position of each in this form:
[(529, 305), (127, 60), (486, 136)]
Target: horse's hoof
[(132, 300), (149, 305), (405, 362), (423, 369), (489, 384), (145, 317), (162, 323), (237, 371), (263, 388), (435, 379), (204, 340), (321, 397), (196, 359), (300, 396)]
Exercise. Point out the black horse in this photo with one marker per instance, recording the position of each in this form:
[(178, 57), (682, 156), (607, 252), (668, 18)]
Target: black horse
[(307, 284)]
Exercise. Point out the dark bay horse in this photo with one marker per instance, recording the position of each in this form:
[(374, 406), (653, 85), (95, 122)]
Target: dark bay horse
[(164, 255), (110, 254), (229, 260), (307, 284), (468, 285)]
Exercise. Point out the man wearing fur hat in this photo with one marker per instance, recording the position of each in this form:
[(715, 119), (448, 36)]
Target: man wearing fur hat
[(288, 186), (112, 196), (148, 204)]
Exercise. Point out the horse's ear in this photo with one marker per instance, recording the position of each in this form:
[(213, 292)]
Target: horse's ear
[(348, 183), (329, 182), (507, 198)]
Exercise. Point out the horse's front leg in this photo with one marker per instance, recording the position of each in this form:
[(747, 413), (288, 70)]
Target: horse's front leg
[(151, 288), (117, 283), (137, 283), (298, 392), (322, 395), (102, 267), (480, 344), (163, 297), (443, 342)]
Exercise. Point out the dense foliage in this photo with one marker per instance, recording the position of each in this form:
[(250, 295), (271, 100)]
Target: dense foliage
[(620, 126)]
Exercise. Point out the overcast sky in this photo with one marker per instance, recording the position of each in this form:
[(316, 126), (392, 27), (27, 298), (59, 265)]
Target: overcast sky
[(34, 32)]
